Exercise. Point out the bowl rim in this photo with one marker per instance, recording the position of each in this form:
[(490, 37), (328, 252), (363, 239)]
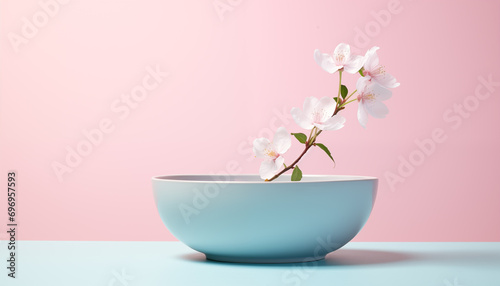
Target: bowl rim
[(327, 178)]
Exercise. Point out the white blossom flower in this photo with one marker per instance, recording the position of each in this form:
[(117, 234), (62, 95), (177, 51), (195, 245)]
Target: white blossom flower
[(272, 152), (318, 112), (373, 71), (371, 95), (341, 59)]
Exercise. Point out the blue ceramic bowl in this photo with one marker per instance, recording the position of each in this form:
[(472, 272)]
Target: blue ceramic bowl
[(244, 219)]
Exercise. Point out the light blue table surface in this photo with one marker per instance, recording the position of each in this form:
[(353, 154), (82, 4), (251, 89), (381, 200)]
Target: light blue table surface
[(172, 263)]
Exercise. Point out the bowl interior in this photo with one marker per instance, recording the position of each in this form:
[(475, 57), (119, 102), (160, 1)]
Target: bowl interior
[(256, 179)]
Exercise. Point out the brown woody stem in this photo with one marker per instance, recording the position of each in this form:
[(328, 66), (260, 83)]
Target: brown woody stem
[(309, 143)]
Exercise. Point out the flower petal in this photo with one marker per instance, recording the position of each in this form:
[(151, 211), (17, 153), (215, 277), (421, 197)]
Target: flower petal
[(362, 115), (371, 59), (354, 64), (301, 119), (341, 54), (282, 140), (386, 80), (267, 169), (278, 163), (376, 109), (260, 145), (310, 104), (325, 61), (325, 108), (362, 83), (381, 93), (332, 123)]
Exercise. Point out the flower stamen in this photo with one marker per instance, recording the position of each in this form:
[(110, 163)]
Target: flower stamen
[(271, 153)]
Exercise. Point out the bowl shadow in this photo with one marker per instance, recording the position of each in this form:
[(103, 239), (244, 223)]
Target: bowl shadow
[(344, 257), (339, 258)]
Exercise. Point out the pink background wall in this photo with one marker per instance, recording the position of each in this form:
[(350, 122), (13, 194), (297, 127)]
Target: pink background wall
[(232, 75)]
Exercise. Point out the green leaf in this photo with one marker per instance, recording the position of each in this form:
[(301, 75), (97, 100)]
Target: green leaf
[(297, 174), (324, 148), (301, 137), (336, 99), (343, 91), (361, 72)]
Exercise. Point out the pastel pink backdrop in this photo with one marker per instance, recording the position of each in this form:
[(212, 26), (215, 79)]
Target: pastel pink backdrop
[(229, 75)]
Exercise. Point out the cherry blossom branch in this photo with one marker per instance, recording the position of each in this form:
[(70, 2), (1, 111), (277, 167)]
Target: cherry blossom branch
[(291, 166), (340, 84), (309, 143), (319, 114), (351, 95), (344, 104)]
